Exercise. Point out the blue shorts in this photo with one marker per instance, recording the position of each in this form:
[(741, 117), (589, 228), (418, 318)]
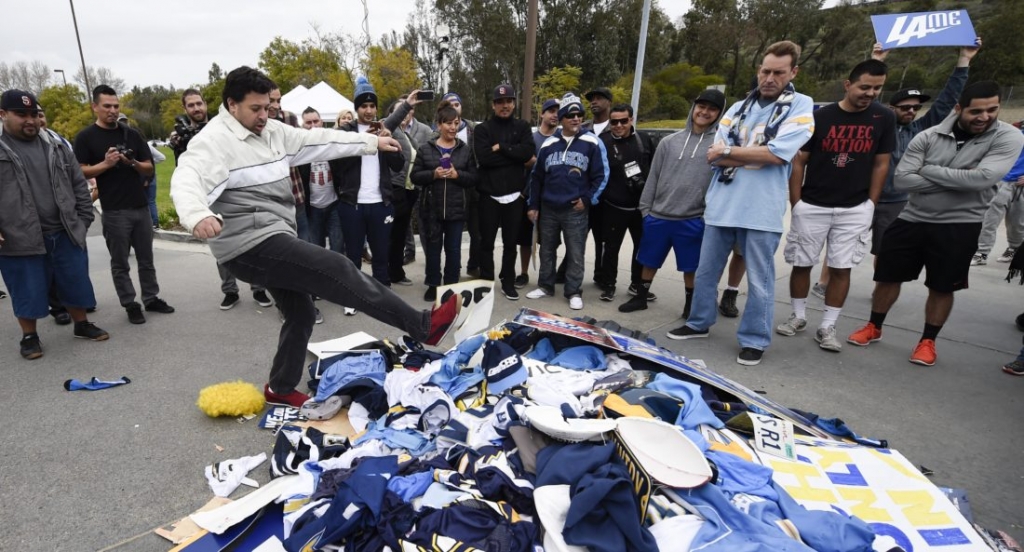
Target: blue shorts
[(28, 278), (661, 235)]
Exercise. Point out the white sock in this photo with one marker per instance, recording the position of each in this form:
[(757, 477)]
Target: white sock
[(732, 288), (830, 317), (799, 307)]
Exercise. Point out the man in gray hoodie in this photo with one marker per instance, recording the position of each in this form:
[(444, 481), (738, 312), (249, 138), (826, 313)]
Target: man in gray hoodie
[(672, 202), (950, 171)]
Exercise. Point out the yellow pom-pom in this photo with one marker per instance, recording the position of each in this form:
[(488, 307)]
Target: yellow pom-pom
[(235, 398)]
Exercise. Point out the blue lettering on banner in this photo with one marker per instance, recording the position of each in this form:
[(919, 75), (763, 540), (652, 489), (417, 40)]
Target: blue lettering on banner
[(887, 530), (939, 28), (944, 537), (853, 478)]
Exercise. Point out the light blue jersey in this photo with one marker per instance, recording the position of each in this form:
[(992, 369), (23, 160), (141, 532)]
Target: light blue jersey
[(757, 196)]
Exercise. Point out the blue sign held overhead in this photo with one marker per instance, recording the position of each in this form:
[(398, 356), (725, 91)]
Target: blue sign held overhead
[(938, 28)]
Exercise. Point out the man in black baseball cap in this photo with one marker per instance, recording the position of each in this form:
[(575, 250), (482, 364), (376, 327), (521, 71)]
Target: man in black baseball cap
[(503, 146), (46, 241)]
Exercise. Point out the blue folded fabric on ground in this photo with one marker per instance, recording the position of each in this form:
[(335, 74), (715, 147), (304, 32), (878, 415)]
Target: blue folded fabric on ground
[(581, 357), (542, 351), (837, 427), (454, 377), (94, 384), (337, 375), (411, 486), (695, 411)]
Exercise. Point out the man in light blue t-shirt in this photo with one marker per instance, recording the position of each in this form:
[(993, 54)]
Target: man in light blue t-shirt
[(756, 141)]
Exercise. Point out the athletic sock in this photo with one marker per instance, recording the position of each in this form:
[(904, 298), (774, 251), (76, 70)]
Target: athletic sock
[(830, 317), (732, 288), (930, 332), (799, 307), (94, 384), (877, 318)]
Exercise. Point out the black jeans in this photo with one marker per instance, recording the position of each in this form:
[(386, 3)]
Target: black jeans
[(292, 270), (597, 229), (616, 222), (473, 227), (124, 230), (508, 216), (399, 229)]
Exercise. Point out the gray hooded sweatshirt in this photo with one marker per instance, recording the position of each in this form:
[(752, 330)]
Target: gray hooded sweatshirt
[(680, 174)]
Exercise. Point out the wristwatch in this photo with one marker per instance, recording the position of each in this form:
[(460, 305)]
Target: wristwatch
[(727, 151)]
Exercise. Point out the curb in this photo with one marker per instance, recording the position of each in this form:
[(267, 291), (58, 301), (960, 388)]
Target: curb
[(179, 237)]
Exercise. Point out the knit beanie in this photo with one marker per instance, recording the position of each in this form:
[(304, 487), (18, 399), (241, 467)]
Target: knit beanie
[(570, 103), (451, 96), (364, 92)]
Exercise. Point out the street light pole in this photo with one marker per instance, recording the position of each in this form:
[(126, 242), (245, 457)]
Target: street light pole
[(62, 75), (531, 53), (85, 70), (638, 73)]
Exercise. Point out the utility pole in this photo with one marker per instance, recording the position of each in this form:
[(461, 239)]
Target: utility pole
[(639, 72), (531, 53), (62, 75), (85, 70)]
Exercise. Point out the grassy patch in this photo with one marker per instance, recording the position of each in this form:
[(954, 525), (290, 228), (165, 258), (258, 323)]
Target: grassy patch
[(164, 206), (663, 124)]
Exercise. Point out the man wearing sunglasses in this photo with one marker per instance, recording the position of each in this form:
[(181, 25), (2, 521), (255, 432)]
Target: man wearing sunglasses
[(629, 163)]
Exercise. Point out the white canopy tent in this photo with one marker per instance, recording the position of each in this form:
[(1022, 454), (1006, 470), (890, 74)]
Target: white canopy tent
[(326, 100)]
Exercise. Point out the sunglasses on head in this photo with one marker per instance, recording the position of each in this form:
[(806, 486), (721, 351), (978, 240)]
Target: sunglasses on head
[(910, 107), (618, 122)]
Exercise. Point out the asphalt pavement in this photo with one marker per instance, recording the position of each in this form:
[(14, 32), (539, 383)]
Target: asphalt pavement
[(99, 470)]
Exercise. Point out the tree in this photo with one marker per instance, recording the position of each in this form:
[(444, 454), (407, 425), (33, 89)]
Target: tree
[(391, 72), (146, 104), (554, 83), (67, 110), (713, 38), (31, 77), (1001, 58), (98, 76)]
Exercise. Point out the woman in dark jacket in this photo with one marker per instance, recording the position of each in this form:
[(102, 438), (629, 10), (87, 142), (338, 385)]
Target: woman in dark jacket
[(444, 171)]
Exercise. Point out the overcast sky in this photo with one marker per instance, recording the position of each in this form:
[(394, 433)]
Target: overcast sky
[(147, 42)]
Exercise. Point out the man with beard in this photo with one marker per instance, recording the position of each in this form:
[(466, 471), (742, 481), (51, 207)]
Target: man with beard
[(950, 171)]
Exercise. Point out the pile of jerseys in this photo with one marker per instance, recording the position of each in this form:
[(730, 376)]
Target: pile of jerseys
[(445, 459)]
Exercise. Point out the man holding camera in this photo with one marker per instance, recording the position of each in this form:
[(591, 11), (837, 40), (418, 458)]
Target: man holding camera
[(119, 159)]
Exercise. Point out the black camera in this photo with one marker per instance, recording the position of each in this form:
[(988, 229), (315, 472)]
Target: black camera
[(126, 151), (185, 131)]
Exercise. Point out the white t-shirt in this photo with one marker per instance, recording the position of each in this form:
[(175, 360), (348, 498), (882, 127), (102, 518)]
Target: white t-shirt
[(321, 185), (599, 127), (369, 177)]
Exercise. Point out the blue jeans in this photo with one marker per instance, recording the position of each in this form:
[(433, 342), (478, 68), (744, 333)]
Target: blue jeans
[(325, 224), (758, 249), (31, 278), (573, 225), (451, 240), (368, 223), (151, 197), (301, 223)]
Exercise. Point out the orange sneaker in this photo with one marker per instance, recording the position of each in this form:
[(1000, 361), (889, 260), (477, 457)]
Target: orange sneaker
[(924, 353), (866, 335)]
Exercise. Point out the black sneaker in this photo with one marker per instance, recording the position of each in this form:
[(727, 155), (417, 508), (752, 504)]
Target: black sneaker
[(473, 272), (3, 294), (319, 317), (135, 315), (686, 332), (510, 292), (635, 303), (230, 300), (1015, 368), (159, 305), (633, 291), (403, 282), (431, 294), (62, 318), (1019, 321), (261, 298), (522, 280), (727, 307), (607, 294), (408, 260), (31, 348), (88, 330), (749, 356)]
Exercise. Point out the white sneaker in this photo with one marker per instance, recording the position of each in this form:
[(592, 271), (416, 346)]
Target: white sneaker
[(576, 302), (826, 338), (349, 311), (818, 290), (791, 326), (1007, 255), (538, 293)]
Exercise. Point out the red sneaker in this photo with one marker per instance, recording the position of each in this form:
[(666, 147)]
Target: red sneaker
[(293, 398), (924, 353), (442, 319), (866, 335)]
